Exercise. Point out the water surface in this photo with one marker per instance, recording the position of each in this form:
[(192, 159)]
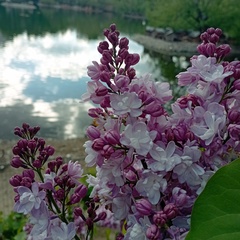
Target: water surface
[(43, 64)]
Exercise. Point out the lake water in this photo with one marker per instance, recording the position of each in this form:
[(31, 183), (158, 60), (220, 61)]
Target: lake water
[(43, 64)]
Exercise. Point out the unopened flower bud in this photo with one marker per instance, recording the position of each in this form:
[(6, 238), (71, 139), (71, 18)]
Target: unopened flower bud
[(106, 32), (59, 161), (105, 76), (131, 72), (98, 144), (131, 176), (49, 150), (112, 137), (22, 144), (236, 84), (210, 49), (58, 181), (121, 81), (210, 30), (218, 31), (113, 27), (78, 212), (143, 206), (75, 198), (32, 145), (223, 50), (234, 131), (214, 38), (153, 232), (101, 91), (28, 173), (37, 163), (123, 53), (16, 162), (59, 194), (25, 126), (204, 37), (123, 43), (18, 132), (26, 182), (52, 165), (107, 56), (81, 190), (234, 116), (95, 112), (113, 38), (15, 180), (100, 217), (107, 150), (170, 210), (131, 60), (159, 218), (103, 46), (92, 132)]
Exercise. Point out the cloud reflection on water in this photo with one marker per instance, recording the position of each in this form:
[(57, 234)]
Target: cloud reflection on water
[(42, 79)]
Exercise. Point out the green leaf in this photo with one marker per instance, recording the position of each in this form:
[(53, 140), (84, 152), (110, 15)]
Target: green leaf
[(216, 212)]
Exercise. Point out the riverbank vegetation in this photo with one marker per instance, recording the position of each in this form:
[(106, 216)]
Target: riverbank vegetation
[(196, 15)]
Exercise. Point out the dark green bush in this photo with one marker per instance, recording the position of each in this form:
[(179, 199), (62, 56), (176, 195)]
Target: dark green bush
[(11, 226)]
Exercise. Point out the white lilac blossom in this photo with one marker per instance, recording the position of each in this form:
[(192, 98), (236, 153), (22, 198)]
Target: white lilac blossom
[(137, 228), (188, 170), (138, 137), (94, 71), (207, 123), (94, 92), (126, 103), (40, 219), (29, 199), (151, 185), (120, 207), (112, 170), (165, 159), (74, 171), (92, 156), (62, 231)]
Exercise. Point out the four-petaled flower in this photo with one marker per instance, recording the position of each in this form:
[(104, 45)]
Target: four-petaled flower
[(29, 199)]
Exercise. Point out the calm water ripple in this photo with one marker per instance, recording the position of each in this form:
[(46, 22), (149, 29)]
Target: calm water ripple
[(43, 69)]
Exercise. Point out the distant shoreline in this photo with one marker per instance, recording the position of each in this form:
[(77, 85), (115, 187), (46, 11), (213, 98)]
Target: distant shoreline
[(31, 6), (175, 48)]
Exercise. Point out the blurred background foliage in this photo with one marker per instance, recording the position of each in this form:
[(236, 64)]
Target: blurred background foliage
[(195, 15), (11, 226)]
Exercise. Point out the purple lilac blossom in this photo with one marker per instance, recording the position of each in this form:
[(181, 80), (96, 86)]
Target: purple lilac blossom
[(62, 231), (40, 218), (165, 159), (138, 137), (151, 185), (29, 199), (126, 103), (75, 171), (149, 162)]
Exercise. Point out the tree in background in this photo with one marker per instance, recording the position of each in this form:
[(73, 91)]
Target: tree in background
[(195, 15)]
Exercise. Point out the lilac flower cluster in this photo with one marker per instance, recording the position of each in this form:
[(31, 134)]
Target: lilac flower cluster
[(49, 191), (152, 165)]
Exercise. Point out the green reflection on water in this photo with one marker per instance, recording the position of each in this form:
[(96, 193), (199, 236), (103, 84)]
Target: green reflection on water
[(15, 21)]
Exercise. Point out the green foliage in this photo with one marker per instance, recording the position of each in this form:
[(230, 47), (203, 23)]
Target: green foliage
[(216, 212), (195, 15), (11, 226), (177, 14)]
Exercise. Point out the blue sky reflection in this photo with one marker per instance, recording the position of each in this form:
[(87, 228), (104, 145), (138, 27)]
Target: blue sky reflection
[(45, 77)]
